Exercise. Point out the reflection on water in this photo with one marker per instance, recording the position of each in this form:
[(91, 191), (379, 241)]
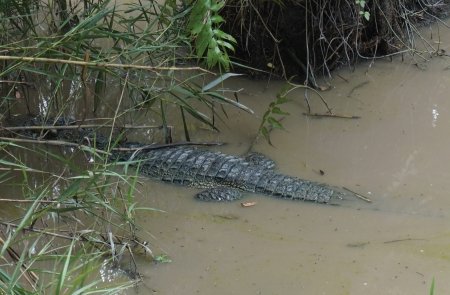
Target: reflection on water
[(435, 115)]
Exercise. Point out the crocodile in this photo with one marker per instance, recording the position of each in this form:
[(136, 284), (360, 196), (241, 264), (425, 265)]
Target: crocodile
[(226, 176)]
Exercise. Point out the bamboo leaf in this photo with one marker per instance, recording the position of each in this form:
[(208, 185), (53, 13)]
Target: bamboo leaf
[(63, 275), (265, 133), (217, 6), (225, 44), (278, 111), (229, 101), (274, 123), (217, 19), (219, 80)]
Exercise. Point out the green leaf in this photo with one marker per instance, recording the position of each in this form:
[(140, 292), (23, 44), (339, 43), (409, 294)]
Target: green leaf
[(278, 111), (197, 14), (265, 133), (203, 40), (197, 28), (282, 99), (222, 35), (163, 258), (274, 123), (203, 25), (432, 287), (219, 80), (212, 57), (217, 19), (229, 101), (183, 91), (225, 44), (217, 6)]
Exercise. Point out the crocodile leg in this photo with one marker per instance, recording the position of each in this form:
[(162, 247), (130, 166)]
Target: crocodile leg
[(219, 194)]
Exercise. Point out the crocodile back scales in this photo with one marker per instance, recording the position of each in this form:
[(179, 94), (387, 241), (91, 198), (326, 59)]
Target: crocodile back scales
[(206, 169)]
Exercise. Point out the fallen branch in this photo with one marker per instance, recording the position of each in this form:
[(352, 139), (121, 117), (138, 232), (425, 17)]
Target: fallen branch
[(358, 195), (403, 240), (360, 85), (331, 115), (295, 86)]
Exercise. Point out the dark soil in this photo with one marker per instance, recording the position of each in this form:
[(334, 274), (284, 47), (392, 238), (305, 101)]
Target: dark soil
[(303, 37)]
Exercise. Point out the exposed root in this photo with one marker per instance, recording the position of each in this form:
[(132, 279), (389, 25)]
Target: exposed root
[(306, 38)]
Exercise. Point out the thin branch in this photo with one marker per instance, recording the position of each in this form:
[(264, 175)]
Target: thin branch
[(16, 82), (51, 142), (78, 235), (160, 146), (100, 64), (145, 147), (30, 201), (306, 87), (64, 127), (26, 169), (358, 195), (331, 115)]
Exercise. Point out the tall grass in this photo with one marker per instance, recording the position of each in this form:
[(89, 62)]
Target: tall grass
[(77, 56), (128, 63), (72, 223)]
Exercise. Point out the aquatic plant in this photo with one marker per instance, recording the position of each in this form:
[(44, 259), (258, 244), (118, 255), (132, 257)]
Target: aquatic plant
[(70, 59), (124, 63), (70, 220)]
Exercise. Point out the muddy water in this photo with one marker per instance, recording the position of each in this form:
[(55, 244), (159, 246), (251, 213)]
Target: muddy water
[(396, 154)]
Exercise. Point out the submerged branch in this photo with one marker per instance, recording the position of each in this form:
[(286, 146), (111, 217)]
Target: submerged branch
[(86, 236), (145, 147), (51, 142), (331, 115)]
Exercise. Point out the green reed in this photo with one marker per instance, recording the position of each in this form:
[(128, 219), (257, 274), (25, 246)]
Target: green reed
[(126, 62), (94, 47), (70, 223)]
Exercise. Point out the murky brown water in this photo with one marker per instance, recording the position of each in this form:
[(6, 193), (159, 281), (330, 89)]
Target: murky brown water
[(397, 154)]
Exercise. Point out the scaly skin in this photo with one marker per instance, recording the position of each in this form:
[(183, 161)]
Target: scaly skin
[(207, 169)]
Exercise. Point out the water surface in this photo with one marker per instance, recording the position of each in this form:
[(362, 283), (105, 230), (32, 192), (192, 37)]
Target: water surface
[(397, 154)]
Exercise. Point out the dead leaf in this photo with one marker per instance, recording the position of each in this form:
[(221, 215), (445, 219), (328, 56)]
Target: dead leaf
[(248, 204)]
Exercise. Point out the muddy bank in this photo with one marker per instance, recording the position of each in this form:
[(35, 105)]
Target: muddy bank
[(303, 37)]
